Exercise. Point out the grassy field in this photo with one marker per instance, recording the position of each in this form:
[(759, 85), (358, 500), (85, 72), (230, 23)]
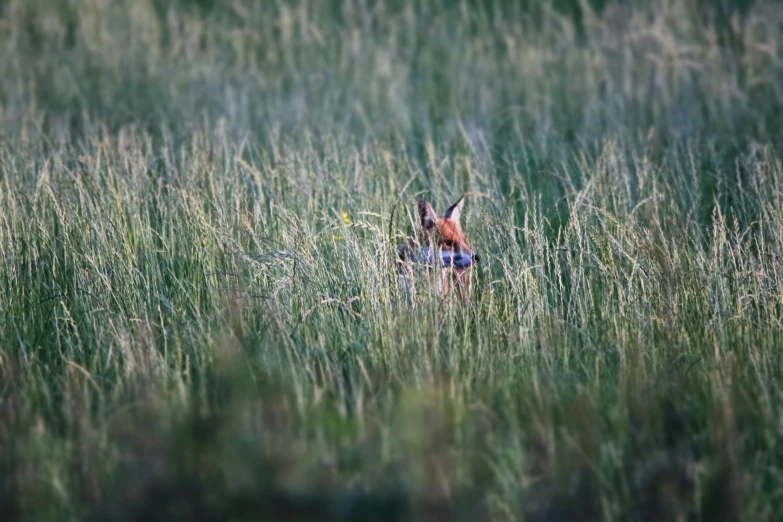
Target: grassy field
[(199, 205)]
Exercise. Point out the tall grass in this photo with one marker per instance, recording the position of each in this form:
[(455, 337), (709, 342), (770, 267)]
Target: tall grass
[(189, 327)]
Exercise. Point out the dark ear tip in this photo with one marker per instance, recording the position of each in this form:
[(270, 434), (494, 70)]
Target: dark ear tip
[(477, 257)]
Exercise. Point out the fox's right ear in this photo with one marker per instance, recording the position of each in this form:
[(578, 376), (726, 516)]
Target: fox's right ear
[(426, 214), (455, 211)]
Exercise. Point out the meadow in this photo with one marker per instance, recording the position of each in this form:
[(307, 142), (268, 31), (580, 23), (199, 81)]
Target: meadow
[(199, 206)]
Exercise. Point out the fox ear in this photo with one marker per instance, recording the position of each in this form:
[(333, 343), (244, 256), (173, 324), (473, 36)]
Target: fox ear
[(426, 214), (455, 211)]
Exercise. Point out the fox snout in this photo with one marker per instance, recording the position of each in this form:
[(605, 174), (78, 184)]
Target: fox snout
[(468, 252), (474, 257)]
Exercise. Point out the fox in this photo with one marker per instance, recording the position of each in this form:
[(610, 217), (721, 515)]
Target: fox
[(440, 250)]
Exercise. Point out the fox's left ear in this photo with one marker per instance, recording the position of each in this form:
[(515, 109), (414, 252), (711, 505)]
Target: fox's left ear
[(455, 211), (426, 214)]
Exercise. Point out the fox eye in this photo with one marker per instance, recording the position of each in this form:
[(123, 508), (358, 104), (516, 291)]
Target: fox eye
[(448, 242)]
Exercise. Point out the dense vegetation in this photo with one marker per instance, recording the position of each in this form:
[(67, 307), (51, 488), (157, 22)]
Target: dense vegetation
[(199, 204)]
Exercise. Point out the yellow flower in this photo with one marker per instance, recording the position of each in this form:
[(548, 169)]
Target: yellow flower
[(347, 221)]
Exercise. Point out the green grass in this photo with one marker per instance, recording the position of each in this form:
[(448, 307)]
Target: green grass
[(189, 328)]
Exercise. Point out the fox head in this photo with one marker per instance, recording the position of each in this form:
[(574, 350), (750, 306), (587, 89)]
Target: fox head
[(444, 231)]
